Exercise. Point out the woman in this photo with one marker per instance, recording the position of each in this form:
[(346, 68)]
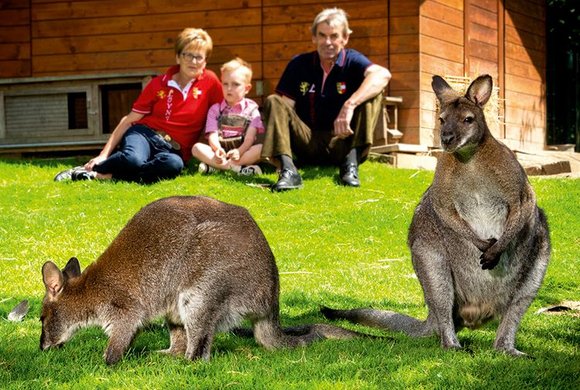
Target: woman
[(153, 142)]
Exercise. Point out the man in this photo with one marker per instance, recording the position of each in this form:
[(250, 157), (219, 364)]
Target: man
[(327, 105)]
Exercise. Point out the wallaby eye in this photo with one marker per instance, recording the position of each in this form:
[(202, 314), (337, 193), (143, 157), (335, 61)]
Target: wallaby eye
[(468, 119)]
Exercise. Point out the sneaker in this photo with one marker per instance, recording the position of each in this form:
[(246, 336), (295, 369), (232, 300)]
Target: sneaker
[(205, 169), (66, 174), (80, 173), (250, 170)]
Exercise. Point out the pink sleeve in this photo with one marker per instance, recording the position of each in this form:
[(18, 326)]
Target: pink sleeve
[(257, 122), (211, 123)]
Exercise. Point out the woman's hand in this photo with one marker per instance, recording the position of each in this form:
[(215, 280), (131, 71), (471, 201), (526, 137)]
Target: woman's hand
[(94, 161)]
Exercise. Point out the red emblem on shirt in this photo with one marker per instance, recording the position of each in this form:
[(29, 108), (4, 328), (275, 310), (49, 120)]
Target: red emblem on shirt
[(341, 87), (195, 92), (161, 94)]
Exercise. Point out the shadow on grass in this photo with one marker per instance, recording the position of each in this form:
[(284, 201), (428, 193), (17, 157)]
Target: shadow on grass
[(308, 173), (56, 160), (20, 355), (71, 161)]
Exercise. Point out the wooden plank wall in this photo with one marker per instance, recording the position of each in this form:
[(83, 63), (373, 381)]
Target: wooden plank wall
[(415, 39), (108, 36), (482, 53), (442, 53), (15, 40), (525, 74), (481, 38), (405, 64), (504, 38)]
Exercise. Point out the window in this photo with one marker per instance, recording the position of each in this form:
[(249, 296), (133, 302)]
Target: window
[(116, 102)]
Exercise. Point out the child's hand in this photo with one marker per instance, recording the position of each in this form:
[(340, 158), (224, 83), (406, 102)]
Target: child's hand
[(220, 155), (233, 154), (220, 152)]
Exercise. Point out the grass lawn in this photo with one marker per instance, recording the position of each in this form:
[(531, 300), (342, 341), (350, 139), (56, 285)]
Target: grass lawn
[(334, 246)]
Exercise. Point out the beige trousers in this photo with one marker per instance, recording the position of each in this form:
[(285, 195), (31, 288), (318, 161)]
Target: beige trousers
[(287, 134)]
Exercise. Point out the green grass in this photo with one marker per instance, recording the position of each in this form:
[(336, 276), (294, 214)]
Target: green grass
[(334, 246)]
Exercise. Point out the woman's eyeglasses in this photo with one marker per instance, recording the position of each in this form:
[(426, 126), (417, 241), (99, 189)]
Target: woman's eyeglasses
[(192, 57)]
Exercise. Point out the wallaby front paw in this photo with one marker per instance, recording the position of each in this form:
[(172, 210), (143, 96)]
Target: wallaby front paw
[(489, 260)]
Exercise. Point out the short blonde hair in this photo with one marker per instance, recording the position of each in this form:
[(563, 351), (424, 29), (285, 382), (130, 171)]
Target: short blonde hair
[(196, 38), (334, 17), (238, 63)]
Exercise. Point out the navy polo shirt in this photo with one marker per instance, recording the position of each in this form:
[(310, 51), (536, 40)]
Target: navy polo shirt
[(302, 82)]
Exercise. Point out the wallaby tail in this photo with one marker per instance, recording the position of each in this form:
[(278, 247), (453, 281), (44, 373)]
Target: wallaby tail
[(269, 334), (322, 331), (382, 319)]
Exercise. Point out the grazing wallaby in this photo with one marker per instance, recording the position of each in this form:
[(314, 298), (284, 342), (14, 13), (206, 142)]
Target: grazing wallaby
[(479, 243), (203, 264)]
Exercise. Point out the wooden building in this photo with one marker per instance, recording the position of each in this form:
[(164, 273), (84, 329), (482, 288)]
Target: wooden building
[(85, 60)]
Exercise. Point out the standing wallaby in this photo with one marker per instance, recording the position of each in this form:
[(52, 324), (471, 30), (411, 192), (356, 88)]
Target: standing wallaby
[(203, 264), (479, 243)]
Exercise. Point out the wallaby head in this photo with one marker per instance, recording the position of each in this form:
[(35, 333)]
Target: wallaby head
[(462, 120), (57, 319)]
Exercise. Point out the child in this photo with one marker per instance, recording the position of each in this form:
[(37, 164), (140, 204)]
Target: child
[(233, 126)]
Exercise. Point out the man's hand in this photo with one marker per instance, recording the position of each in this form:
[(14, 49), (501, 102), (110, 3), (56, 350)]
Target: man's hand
[(342, 122)]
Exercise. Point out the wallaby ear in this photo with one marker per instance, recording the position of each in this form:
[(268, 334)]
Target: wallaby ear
[(72, 268), (480, 89), (443, 91), (53, 279)]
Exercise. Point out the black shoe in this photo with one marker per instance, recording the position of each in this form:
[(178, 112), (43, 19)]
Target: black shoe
[(287, 180), (81, 173), (349, 175)]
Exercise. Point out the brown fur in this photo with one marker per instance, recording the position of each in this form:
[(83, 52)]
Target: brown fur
[(479, 243), (203, 264)]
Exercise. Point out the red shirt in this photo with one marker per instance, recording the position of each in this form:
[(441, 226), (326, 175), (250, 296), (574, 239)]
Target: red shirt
[(182, 117)]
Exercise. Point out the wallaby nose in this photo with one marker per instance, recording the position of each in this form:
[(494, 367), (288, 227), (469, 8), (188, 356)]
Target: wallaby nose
[(447, 137)]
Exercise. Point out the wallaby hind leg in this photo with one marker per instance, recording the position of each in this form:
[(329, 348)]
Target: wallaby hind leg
[(199, 344), (435, 277), (269, 334), (177, 340), (505, 338), (539, 251), (199, 320)]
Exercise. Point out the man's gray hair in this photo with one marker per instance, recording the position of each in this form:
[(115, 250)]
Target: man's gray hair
[(333, 17)]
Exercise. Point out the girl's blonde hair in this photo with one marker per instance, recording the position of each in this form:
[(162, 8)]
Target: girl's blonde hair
[(196, 38), (238, 63)]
